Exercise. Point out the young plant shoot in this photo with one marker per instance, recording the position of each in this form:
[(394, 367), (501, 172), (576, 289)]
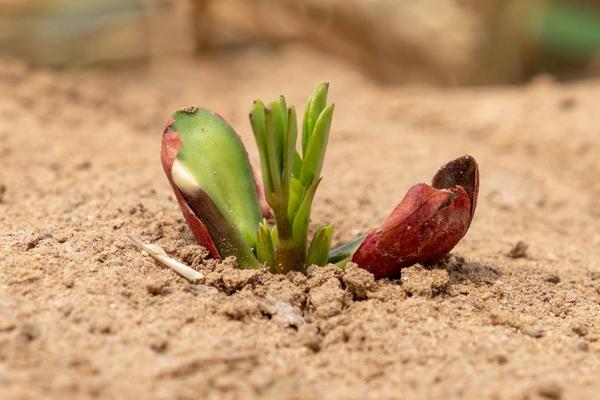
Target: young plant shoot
[(209, 171), (214, 184), (290, 180)]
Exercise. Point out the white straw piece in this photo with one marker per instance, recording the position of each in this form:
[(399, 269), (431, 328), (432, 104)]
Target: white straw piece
[(161, 256)]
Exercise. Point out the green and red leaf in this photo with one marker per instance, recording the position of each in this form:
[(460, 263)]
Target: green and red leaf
[(208, 168)]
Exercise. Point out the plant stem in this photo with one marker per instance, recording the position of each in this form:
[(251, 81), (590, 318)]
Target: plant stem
[(289, 256), (290, 253)]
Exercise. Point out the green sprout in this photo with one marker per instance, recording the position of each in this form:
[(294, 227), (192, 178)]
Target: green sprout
[(291, 179), (211, 175)]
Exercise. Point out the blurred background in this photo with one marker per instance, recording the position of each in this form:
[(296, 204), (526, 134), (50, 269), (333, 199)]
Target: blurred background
[(437, 42)]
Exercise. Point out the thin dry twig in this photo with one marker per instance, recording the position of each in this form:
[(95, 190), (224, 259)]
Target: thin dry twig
[(161, 256)]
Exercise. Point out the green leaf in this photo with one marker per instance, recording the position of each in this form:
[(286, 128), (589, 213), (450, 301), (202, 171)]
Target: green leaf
[(289, 148), (213, 160), (346, 250), (297, 191), (315, 153), (279, 115), (275, 146), (224, 234), (264, 245), (283, 110), (305, 129), (302, 217), (314, 108), (297, 165), (274, 237), (318, 252), (259, 127)]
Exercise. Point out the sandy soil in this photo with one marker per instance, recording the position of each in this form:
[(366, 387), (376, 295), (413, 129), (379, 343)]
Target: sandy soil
[(83, 314)]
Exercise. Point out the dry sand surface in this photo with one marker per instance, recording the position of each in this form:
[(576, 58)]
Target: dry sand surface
[(83, 314)]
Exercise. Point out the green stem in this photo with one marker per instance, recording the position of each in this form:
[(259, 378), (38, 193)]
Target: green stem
[(283, 224), (290, 253), (290, 256)]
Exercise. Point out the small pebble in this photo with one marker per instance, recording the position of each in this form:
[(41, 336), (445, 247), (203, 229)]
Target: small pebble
[(550, 390), (102, 326), (36, 240), (69, 282), (567, 104), (158, 286), (552, 278), (83, 165), (62, 238), (117, 224), (580, 330), (159, 346), (583, 345), (498, 317), (103, 256), (533, 331), (66, 309), (519, 250), (29, 332), (310, 338), (500, 359)]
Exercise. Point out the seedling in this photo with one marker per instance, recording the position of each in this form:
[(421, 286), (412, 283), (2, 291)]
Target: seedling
[(228, 212), (290, 180)]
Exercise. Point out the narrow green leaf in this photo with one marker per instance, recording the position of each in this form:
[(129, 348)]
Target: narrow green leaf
[(283, 109), (345, 251), (264, 245), (297, 191), (314, 108), (279, 115), (274, 146), (302, 217), (290, 148), (274, 237), (305, 130), (318, 252), (259, 127), (297, 165), (315, 154)]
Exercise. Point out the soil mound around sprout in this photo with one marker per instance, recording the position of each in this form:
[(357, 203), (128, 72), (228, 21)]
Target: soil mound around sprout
[(322, 293), (84, 314)]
